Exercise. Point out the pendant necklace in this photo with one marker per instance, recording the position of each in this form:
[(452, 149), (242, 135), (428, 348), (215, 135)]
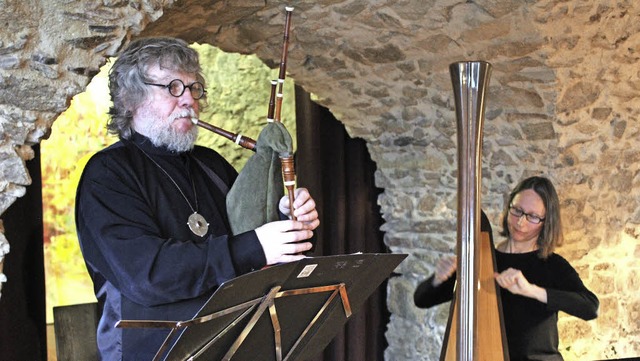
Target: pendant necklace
[(196, 222)]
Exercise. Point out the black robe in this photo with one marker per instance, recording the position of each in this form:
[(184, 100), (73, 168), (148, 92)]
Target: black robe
[(145, 262)]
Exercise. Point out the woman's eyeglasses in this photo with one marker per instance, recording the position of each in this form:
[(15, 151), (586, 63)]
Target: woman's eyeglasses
[(531, 218)]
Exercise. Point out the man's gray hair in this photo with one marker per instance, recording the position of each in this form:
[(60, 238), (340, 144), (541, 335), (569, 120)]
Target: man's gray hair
[(130, 71)]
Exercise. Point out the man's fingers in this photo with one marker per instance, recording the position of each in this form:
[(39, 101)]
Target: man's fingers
[(293, 248), (292, 252), (304, 209), (292, 231), (297, 236), (290, 258), (302, 214), (311, 225), (286, 226)]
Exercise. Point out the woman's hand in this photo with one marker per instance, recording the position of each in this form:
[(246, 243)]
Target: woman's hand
[(444, 269), (514, 281)]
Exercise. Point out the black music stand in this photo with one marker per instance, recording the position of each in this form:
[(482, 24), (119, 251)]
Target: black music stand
[(285, 312)]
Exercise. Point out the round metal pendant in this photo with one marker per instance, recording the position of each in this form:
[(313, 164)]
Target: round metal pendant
[(197, 224)]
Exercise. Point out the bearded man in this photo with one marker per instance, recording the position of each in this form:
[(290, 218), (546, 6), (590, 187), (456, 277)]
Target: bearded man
[(150, 209)]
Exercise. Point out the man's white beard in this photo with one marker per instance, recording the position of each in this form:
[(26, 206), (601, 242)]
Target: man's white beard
[(162, 134)]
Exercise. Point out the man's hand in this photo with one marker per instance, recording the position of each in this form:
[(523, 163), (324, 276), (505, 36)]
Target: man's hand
[(304, 208), (282, 241)]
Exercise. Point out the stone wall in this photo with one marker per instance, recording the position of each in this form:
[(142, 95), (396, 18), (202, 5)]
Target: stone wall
[(563, 102)]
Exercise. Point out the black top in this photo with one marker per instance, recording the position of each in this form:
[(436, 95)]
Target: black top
[(144, 260), (530, 326)]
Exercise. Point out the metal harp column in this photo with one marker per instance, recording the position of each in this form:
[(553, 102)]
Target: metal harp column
[(470, 80)]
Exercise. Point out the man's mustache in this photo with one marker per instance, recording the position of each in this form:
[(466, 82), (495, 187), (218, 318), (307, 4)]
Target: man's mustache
[(187, 113)]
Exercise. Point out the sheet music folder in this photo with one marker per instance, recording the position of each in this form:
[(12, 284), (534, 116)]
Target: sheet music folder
[(285, 312)]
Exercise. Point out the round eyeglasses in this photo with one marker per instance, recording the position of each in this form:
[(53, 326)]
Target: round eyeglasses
[(176, 88), (531, 218)]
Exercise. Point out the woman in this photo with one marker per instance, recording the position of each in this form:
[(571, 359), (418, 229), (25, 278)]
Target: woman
[(538, 282)]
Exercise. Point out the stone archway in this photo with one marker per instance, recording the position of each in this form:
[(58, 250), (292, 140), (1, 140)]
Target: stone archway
[(563, 101)]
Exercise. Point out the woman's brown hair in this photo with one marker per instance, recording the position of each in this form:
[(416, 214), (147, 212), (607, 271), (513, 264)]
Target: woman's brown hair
[(551, 234)]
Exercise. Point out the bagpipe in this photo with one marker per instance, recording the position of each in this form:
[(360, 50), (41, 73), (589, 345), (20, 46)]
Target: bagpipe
[(251, 202)]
